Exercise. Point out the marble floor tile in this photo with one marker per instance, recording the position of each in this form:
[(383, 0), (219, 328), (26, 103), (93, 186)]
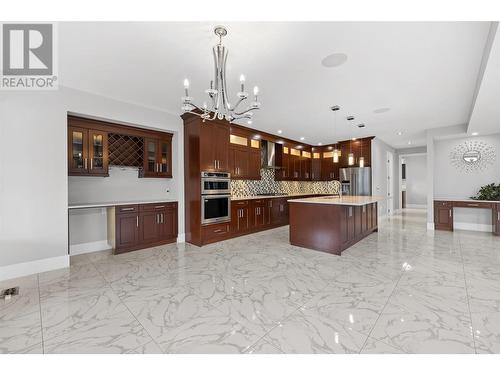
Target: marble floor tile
[(305, 332), (487, 332), (204, 335), (416, 322), (378, 347), (402, 289), (20, 325)]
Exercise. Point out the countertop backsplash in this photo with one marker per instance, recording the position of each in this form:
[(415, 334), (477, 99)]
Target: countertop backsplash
[(267, 184)]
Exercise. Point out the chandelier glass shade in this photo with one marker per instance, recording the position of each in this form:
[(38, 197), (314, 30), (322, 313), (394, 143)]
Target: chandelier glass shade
[(219, 106)]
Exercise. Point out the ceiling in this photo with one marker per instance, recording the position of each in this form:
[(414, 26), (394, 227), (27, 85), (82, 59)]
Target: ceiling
[(425, 73)]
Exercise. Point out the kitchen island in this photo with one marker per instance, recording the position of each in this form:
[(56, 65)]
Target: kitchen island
[(332, 223)]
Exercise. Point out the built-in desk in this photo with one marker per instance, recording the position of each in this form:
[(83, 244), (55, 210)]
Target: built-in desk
[(443, 212)]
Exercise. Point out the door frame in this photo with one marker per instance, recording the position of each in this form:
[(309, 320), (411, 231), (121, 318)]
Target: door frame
[(390, 183), (400, 175)]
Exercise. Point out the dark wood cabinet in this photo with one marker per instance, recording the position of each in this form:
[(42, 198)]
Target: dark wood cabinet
[(238, 163), (214, 147), (240, 217), (87, 152), (443, 215), (279, 212), (244, 162), (328, 166), (94, 145), (126, 232), (316, 166), (305, 166), (254, 164), (258, 213), (141, 226), (496, 219), (157, 160)]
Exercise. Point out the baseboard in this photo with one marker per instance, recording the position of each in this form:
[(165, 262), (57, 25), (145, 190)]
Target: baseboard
[(473, 226), (29, 268), (416, 206), (89, 247), (430, 226), (181, 238)]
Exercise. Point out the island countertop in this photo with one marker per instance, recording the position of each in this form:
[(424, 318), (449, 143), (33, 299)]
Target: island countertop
[(345, 200)]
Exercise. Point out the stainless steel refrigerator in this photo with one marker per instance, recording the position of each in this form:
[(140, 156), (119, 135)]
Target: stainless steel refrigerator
[(356, 181)]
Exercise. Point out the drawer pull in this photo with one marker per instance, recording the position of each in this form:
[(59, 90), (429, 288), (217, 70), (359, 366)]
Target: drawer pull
[(159, 206), (472, 204), (217, 230), (127, 209)]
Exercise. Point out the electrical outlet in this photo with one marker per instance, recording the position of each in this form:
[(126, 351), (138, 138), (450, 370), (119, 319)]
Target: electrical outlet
[(9, 292)]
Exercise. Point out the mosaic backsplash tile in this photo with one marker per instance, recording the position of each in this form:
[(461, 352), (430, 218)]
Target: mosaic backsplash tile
[(267, 184)]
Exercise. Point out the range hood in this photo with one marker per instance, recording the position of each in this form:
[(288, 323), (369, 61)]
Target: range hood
[(268, 153)]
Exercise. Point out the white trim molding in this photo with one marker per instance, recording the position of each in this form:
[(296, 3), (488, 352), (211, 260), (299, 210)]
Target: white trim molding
[(473, 226), (181, 238), (430, 226), (37, 266), (89, 247), (416, 206)]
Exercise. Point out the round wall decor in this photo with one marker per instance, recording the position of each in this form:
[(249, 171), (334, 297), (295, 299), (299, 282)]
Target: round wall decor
[(472, 156)]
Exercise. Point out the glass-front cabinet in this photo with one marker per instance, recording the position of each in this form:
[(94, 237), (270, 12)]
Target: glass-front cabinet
[(157, 158), (87, 154)]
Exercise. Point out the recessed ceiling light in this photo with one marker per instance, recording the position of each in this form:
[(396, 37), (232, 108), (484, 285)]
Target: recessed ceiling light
[(381, 110), (361, 125), (350, 118), (280, 131), (475, 133), (302, 138), (335, 108), (320, 144), (399, 133), (334, 60)]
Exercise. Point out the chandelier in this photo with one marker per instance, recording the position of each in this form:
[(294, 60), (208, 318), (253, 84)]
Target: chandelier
[(220, 107)]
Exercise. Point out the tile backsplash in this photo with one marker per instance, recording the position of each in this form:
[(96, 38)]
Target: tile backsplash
[(267, 184)]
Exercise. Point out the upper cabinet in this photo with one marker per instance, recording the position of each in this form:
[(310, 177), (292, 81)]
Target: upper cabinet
[(157, 157), (87, 152), (95, 145), (244, 156), (214, 146)]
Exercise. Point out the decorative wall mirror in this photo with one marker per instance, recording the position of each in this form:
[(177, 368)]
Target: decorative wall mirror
[(472, 156)]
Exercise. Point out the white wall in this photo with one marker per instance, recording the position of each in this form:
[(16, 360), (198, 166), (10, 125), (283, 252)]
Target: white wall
[(449, 182), (379, 173), (33, 168), (416, 180)]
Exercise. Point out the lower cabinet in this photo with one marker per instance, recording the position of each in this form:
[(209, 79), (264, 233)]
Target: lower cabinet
[(259, 213), (496, 220), (141, 226), (443, 215), (357, 221), (240, 217)]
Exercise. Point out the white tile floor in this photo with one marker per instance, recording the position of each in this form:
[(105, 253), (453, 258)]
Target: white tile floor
[(401, 290)]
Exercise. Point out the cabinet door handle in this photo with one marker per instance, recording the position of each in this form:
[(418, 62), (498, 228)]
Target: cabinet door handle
[(85, 161), (498, 215), (162, 218), (157, 218), (137, 221), (350, 211), (450, 212), (91, 163)]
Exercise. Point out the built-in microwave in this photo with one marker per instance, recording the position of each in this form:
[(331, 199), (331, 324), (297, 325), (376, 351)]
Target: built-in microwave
[(215, 208), (215, 183)]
